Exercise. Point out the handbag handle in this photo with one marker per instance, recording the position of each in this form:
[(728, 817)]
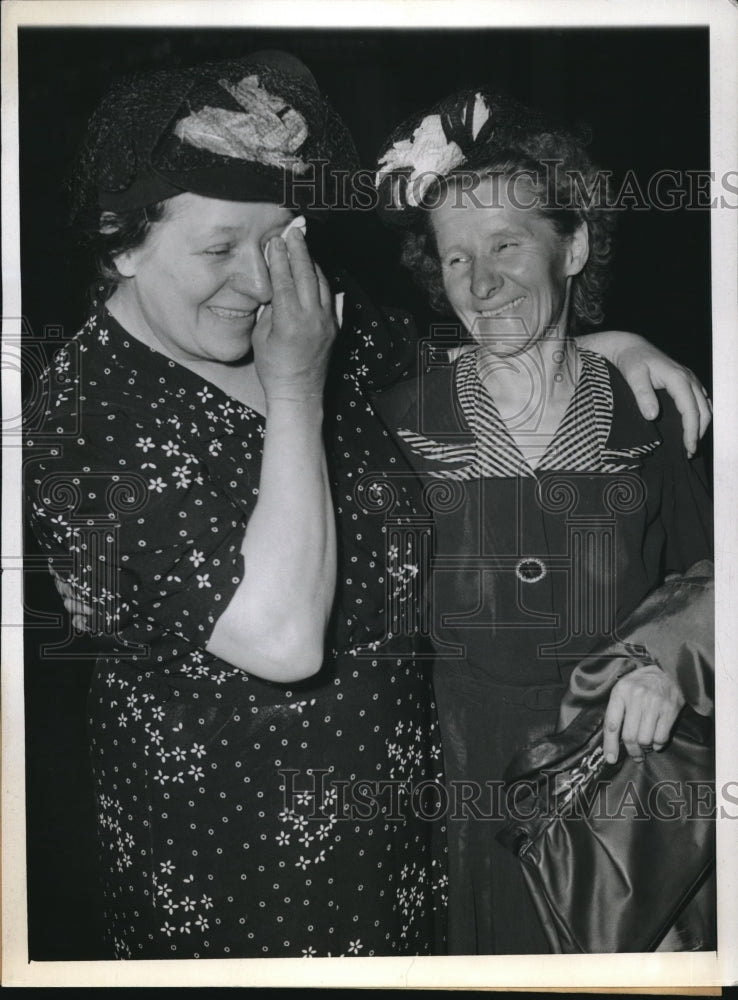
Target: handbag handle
[(556, 749), (548, 752)]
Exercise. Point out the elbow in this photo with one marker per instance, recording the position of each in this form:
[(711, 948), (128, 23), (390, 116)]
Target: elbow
[(283, 656), (301, 664), (293, 657)]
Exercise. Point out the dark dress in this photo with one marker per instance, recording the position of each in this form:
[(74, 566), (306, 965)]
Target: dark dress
[(530, 571), (239, 817)]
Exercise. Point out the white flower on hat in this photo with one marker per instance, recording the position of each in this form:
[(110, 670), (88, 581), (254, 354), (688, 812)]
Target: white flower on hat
[(428, 154), (267, 131)]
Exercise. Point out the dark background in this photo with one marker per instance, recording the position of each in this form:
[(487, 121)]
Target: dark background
[(645, 94)]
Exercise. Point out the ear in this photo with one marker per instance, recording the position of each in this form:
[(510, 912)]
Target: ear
[(577, 252), (126, 263)]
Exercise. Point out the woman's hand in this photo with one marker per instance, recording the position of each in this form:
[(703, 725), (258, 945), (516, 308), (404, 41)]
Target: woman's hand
[(81, 613), (294, 335), (645, 369), (641, 712), (274, 626)]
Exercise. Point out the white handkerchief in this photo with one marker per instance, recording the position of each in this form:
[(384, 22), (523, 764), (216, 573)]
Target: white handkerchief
[(300, 222), (297, 223)]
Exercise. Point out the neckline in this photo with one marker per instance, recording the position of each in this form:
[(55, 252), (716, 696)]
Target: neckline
[(574, 401), (118, 336), (579, 439)]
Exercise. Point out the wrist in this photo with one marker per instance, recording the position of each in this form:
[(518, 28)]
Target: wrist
[(291, 402), (309, 387), (611, 344)]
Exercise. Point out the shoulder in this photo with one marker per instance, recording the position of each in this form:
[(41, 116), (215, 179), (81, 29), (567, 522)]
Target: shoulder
[(660, 439), (670, 424), (629, 428), (423, 394), (378, 344)]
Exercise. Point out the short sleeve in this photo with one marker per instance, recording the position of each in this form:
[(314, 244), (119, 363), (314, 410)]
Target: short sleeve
[(150, 529), (686, 509), (376, 344)]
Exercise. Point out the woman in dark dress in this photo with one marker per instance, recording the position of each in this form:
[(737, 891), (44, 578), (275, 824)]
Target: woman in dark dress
[(564, 508), (255, 743)]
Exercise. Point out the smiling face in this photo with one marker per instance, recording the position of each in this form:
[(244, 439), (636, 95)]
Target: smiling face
[(505, 268), (193, 287)]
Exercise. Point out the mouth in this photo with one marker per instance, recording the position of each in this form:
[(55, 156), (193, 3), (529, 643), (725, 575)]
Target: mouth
[(231, 315), (501, 310)]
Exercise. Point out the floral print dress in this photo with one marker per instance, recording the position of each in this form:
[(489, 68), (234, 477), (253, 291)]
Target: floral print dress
[(238, 817)]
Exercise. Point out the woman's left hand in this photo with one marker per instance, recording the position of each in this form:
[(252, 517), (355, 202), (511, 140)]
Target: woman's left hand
[(81, 613), (641, 712), (645, 368)]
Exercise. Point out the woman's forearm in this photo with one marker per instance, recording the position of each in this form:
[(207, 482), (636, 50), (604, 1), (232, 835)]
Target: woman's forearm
[(274, 626)]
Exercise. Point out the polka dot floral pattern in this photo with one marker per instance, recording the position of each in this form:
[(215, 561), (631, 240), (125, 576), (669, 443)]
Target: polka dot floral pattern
[(236, 817)]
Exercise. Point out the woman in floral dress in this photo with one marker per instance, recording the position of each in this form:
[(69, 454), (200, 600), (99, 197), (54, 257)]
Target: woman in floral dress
[(189, 501)]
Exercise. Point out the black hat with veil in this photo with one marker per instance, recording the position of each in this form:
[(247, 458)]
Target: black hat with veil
[(238, 130)]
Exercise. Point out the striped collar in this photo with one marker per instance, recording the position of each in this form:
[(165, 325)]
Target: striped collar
[(579, 444)]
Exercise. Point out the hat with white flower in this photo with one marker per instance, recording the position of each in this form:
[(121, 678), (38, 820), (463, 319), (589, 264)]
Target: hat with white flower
[(458, 132), (234, 130)]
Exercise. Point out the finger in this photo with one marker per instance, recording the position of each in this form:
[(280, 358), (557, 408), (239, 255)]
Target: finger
[(63, 588), (663, 729), (324, 289), (339, 308), (280, 272), (76, 607), (612, 724), (292, 271), (679, 387), (630, 729), (647, 727), (304, 271), (704, 404), (263, 319), (639, 380)]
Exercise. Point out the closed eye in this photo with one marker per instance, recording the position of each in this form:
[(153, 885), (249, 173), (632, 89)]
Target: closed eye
[(219, 251)]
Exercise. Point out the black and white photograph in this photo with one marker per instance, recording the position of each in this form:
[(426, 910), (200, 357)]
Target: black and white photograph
[(369, 494)]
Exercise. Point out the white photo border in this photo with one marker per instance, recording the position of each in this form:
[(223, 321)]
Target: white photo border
[(545, 972)]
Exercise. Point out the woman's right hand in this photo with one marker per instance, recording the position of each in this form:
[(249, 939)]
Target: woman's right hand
[(641, 712), (294, 335), (274, 625)]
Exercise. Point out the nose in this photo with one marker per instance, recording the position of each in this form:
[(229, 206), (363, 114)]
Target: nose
[(485, 278), (250, 276)]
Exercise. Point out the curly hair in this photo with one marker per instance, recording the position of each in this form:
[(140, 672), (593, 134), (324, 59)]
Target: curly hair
[(568, 192)]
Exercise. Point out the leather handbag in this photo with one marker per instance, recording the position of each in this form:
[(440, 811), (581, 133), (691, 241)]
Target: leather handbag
[(612, 853)]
